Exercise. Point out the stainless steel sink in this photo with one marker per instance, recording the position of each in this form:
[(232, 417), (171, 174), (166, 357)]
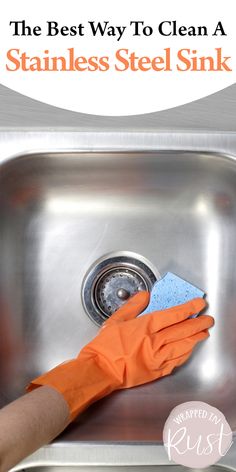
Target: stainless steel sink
[(172, 201)]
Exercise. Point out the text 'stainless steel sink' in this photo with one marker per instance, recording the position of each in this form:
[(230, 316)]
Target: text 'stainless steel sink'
[(59, 212)]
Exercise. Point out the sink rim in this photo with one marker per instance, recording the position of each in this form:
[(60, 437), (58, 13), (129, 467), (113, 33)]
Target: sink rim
[(14, 144), (111, 152), (82, 454)]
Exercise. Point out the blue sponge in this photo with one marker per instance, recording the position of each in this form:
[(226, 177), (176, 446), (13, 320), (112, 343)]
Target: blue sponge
[(170, 291)]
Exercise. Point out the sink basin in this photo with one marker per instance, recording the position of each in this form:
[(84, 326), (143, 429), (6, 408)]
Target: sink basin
[(59, 212)]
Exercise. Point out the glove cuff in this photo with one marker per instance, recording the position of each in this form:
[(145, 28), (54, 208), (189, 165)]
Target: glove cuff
[(81, 382)]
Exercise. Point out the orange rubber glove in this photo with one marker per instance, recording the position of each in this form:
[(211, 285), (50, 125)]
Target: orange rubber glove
[(128, 351)]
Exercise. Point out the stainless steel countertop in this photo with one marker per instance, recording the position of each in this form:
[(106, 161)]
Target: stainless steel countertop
[(213, 113)]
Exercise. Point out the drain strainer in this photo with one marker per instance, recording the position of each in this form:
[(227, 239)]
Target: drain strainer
[(112, 280)]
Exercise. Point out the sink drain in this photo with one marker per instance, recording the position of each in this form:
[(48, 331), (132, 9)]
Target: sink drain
[(112, 280)]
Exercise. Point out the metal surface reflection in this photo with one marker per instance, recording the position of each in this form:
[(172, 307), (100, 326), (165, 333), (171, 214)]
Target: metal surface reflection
[(59, 212)]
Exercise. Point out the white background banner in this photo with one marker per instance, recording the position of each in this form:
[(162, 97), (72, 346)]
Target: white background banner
[(117, 58)]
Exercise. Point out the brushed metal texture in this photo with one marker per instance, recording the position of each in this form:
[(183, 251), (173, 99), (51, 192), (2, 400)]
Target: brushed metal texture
[(213, 113)]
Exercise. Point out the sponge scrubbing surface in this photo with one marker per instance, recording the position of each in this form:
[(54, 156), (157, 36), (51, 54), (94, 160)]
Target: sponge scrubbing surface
[(170, 291)]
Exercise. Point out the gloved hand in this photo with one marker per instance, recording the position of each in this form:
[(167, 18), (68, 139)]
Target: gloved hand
[(129, 351)]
